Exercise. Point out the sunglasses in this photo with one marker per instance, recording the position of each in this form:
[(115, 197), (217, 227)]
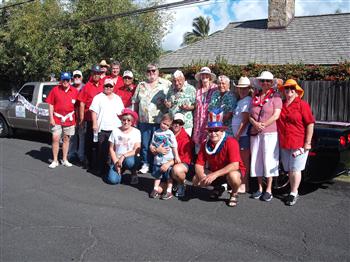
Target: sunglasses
[(127, 77), (151, 70), (265, 80), (178, 123), (287, 88), (65, 80), (214, 130), (108, 86), (77, 76), (127, 119)]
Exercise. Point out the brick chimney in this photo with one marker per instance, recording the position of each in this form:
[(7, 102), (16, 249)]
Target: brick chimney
[(281, 12)]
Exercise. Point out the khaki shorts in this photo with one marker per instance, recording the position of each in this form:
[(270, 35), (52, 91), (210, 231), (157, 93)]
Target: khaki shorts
[(67, 130)]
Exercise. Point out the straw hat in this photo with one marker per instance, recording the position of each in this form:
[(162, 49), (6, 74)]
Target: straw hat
[(104, 63), (205, 70), (292, 83), (243, 82)]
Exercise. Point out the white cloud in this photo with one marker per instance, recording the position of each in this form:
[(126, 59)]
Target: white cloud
[(318, 7), (250, 10), (182, 23)]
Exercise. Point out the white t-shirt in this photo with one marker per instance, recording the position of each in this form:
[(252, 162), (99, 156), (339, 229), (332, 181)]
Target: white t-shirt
[(124, 142), (167, 138), (243, 105), (107, 111)]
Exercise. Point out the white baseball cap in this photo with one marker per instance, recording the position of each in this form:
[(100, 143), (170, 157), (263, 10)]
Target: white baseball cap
[(128, 73), (77, 72)]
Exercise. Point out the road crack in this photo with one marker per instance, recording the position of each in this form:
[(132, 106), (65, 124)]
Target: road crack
[(94, 243)]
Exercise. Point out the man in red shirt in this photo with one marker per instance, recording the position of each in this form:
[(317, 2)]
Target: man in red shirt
[(128, 89), (104, 68), (61, 100), (222, 155), (185, 147), (117, 79), (85, 97)]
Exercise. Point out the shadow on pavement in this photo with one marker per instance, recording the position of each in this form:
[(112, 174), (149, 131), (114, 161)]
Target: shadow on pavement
[(44, 154), (36, 136)]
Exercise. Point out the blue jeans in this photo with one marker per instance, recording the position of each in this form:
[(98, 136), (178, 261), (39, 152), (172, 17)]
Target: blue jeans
[(130, 163), (146, 138)]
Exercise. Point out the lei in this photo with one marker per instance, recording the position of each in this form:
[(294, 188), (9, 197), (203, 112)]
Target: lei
[(257, 101), (214, 150)]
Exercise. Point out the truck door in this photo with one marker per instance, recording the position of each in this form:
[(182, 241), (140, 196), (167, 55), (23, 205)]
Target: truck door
[(43, 121), (19, 116)]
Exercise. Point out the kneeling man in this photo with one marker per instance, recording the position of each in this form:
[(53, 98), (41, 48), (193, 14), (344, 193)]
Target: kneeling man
[(221, 154)]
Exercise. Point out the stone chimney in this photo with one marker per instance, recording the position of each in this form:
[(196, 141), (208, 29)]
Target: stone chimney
[(281, 12)]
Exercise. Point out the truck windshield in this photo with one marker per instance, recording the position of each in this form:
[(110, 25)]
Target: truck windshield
[(27, 92)]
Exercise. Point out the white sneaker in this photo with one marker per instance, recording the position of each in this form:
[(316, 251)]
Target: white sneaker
[(54, 164), (66, 163), (144, 169)]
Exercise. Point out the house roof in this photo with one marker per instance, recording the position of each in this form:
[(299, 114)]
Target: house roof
[(321, 39)]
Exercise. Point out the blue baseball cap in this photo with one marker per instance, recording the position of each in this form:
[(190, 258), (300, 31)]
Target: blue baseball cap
[(66, 76), (96, 69)]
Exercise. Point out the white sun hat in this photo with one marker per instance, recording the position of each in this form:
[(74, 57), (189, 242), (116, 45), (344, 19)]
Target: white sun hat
[(205, 70), (265, 75), (243, 82)]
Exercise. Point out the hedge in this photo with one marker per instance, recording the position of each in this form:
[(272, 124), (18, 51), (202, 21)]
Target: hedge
[(339, 72)]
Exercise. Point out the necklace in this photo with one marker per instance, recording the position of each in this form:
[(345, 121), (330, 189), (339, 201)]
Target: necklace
[(217, 148)]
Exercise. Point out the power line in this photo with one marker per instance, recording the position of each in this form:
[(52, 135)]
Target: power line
[(145, 10), (15, 4)]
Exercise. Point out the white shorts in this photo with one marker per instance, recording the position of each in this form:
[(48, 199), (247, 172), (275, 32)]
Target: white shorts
[(264, 155), (291, 163)]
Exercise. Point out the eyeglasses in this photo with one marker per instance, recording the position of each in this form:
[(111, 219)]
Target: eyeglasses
[(214, 130), (265, 80), (108, 86), (151, 70), (126, 119), (127, 77), (65, 80), (77, 76)]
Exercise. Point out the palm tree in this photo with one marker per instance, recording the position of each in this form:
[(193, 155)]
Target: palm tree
[(201, 27)]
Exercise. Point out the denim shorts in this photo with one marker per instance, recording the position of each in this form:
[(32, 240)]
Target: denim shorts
[(191, 171), (291, 163), (157, 174), (244, 142)]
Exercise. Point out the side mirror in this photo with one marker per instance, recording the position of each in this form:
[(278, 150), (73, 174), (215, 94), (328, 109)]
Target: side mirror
[(12, 98)]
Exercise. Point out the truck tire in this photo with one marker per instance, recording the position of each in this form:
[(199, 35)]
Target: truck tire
[(4, 128)]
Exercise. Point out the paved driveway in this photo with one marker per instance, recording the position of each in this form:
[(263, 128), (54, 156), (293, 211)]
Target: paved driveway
[(67, 214)]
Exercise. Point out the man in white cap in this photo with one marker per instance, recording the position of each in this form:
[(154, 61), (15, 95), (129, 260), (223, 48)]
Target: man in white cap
[(77, 143), (128, 89), (181, 99)]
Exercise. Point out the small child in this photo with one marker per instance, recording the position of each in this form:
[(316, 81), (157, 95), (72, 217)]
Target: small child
[(163, 139)]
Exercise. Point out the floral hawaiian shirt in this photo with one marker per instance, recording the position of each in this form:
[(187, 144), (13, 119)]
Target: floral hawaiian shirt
[(151, 100), (227, 102), (187, 96)]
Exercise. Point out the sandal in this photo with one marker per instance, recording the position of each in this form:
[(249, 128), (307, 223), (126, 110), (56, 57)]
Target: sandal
[(216, 193), (233, 201)]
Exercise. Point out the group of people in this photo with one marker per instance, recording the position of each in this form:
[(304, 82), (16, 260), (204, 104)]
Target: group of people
[(210, 134)]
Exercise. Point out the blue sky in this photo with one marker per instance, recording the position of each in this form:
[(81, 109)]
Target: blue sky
[(223, 12)]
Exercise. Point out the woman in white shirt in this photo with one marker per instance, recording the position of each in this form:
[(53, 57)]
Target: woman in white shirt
[(124, 146), (240, 122)]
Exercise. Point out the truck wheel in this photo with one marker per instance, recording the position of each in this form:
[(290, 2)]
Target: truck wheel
[(4, 128)]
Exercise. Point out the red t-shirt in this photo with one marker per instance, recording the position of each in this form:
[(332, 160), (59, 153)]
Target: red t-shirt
[(86, 95), (63, 102), (229, 153), (118, 84), (185, 146), (126, 94), (292, 124)]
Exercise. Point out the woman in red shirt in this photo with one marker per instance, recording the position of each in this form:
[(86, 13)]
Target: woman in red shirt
[(295, 130)]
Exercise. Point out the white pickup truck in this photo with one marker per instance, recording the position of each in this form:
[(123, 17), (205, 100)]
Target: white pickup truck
[(26, 109)]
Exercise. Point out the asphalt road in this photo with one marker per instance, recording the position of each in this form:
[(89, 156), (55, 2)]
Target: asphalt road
[(67, 214)]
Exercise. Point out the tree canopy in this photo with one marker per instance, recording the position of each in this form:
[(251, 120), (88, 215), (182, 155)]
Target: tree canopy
[(201, 28), (50, 36)]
